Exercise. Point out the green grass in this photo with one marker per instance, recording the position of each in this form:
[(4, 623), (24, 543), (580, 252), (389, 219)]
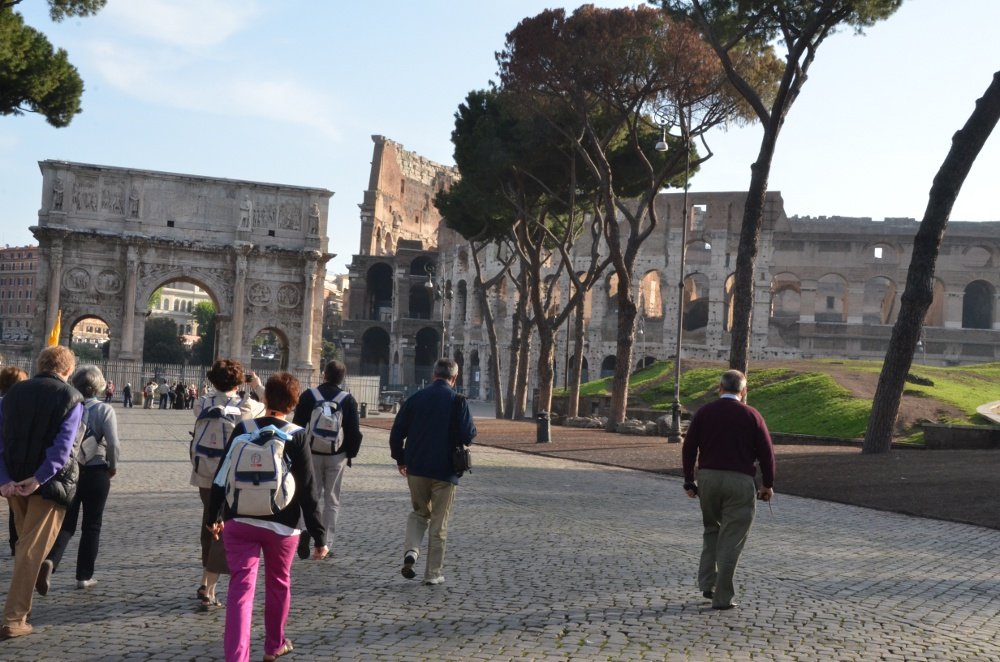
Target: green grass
[(811, 402)]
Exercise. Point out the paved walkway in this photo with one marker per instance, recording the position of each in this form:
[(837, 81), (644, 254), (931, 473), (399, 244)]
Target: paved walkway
[(549, 559)]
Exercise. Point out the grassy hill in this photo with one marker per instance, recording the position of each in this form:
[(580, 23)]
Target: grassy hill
[(823, 397)]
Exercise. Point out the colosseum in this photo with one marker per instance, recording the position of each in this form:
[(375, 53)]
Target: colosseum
[(825, 287)]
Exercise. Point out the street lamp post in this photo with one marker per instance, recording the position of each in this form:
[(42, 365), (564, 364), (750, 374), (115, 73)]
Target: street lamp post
[(662, 118), (440, 291)]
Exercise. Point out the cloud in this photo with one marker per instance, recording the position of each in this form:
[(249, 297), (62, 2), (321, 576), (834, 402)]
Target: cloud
[(187, 24), (176, 80)]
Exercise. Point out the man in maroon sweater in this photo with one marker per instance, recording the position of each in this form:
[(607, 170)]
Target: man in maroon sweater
[(726, 437)]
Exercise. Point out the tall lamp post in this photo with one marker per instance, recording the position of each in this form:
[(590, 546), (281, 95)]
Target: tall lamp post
[(662, 117), (440, 291)]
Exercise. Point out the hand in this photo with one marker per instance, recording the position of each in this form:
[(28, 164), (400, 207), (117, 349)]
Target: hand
[(402, 470), (765, 493), (692, 494), (8, 489), (320, 553), (112, 473), (216, 529), (691, 488), (27, 486)]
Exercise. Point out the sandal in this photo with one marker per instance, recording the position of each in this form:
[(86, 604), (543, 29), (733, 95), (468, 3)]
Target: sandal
[(209, 603), (201, 593), (285, 648)]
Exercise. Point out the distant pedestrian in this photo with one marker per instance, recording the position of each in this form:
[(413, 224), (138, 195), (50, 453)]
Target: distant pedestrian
[(39, 424), (98, 458), (421, 444), (726, 438), (180, 393), (163, 391), (148, 393), (127, 395), (109, 392)]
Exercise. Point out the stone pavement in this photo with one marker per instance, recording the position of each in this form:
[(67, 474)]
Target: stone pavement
[(548, 559)]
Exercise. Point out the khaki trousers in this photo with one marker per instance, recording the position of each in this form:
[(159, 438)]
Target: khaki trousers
[(728, 505), (38, 522), (432, 501)]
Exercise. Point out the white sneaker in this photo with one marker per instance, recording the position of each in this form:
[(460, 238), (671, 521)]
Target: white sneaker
[(85, 583), (434, 581)]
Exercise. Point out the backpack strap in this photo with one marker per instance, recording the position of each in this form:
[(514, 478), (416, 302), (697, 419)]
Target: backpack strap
[(340, 397)]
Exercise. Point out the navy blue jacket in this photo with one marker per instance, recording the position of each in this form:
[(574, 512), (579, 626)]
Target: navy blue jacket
[(419, 436)]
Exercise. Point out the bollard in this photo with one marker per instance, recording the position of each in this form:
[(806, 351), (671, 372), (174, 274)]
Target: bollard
[(544, 431), (364, 410)]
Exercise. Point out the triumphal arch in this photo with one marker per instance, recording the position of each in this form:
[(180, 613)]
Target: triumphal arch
[(110, 237)]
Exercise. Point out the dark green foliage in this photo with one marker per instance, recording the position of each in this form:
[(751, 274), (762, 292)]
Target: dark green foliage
[(34, 77), (203, 351), (161, 343)]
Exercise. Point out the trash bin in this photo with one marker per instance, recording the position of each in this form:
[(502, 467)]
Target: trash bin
[(544, 431), (364, 410)]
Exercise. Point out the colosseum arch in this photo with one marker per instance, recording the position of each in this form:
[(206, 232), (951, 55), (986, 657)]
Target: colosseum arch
[(109, 237)]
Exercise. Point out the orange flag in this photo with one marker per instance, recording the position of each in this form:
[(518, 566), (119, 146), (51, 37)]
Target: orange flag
[(56, 329)]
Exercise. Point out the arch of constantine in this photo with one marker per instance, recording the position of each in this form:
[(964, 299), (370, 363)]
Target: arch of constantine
[(110, 237)]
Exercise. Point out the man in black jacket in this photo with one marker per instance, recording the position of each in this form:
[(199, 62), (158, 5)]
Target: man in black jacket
[(39, 427), (329, 463)]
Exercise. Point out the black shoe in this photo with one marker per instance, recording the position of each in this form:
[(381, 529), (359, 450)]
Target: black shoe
[(304, 546), (44, 577), (409, 560), (707, 594), (731, 605)]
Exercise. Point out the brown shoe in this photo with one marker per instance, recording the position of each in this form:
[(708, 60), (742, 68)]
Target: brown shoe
[(17, 630), (42, 582)]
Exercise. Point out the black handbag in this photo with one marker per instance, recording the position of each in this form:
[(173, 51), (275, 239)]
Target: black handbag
[(61, 488), (461, 456)]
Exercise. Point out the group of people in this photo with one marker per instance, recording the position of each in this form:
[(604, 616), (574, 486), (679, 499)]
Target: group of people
[(176, 395), (59, 450)]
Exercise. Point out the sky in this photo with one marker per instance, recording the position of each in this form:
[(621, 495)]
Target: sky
[(291, 92)]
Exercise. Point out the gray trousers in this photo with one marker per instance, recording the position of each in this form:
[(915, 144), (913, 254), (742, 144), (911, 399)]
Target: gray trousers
[(432, 501), (728, 505), (329, 473)]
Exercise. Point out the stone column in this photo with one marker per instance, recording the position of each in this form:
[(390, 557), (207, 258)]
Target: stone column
[(239, 304), (854, 303), (55, 284), (308, 313), (128, 319)]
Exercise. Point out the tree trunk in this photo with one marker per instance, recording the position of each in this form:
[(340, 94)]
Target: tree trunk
[(627, 313), (746, 257), (494, 356), (546, 355), (514, 363), (523, 357), (919, 293), (576, 367)]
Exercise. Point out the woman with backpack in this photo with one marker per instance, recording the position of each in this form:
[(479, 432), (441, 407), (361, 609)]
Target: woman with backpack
[(98, 460), (259, 517), (215, 419)]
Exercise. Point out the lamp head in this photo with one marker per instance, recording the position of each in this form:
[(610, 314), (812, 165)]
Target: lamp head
[(661, 146)]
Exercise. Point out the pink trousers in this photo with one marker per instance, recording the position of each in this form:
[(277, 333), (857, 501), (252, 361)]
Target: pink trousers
[(244, 544)]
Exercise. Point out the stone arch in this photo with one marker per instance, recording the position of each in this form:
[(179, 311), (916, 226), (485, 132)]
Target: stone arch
[(174, 304), (281, 357), (786, 293), (651, 295), (608, 365), (426, 351), (879, 303), (119, 233), (935, 312), (584, 369), (86, 334), (375, 353), (831, 298), (696, 300), (378, 287), (977, 305)]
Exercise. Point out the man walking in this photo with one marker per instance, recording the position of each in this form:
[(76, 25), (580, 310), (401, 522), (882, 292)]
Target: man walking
[(39, 425), (726, 437), (426, 428), (319, 410)]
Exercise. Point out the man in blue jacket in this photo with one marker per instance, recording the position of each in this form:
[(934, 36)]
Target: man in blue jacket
[(421, 446)]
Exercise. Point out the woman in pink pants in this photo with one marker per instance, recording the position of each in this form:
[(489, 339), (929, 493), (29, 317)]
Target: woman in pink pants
[(275, 535)]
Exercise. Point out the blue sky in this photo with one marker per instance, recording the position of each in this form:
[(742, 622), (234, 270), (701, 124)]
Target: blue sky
[(290, 92)]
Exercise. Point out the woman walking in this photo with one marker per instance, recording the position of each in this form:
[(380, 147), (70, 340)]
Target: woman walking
[(275, 535), (98, 459)]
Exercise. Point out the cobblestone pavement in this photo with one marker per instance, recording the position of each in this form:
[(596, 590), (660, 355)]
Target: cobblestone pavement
[(548, 559)]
